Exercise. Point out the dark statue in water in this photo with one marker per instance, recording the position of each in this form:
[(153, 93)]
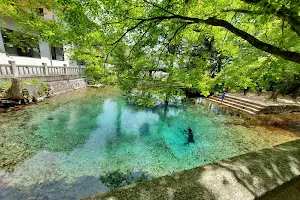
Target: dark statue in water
[(190, 138)]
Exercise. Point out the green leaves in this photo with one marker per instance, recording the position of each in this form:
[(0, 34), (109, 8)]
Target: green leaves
[(250, 41)]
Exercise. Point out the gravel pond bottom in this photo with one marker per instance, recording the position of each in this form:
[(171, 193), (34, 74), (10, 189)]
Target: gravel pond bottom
[(58, 149)]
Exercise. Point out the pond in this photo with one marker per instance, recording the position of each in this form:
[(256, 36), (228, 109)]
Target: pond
[(59, 148)]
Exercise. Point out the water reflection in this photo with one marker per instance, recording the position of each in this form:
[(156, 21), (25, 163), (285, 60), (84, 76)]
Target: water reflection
[(216, 109)]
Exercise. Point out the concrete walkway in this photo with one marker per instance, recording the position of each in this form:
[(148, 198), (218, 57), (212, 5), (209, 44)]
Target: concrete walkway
[(254, 104), (245, 177), (264, 99)]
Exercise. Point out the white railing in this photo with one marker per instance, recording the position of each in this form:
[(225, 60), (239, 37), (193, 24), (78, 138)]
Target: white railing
[(25, 70), (13, 70), (5, 70), (73, 70), (56, 70)]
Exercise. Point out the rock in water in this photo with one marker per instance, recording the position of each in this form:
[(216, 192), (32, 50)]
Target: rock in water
[(117, 179), (14, 92), (135, 177)]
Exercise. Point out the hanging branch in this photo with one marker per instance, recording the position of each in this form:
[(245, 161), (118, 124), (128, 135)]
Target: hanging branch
[(170, 40), (288, 55), (284, 13), (140, 39)]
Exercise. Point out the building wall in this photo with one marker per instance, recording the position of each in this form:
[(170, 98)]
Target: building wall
[(45, 49)]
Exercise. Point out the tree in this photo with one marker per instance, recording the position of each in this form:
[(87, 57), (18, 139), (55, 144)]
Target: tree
[(239, 17), (138, 36)]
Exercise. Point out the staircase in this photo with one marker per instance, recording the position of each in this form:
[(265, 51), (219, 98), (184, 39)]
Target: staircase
[(238, 103)]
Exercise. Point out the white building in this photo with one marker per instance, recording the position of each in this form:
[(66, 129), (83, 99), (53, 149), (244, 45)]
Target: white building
[(35, 56)]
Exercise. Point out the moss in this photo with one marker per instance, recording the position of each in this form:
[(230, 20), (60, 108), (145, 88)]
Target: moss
[(35, 82), (4, 86)]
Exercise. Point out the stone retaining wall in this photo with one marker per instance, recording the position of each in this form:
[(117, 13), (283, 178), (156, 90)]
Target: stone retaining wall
[(47, 78), (245, 177), (58, 87), (280, 109)]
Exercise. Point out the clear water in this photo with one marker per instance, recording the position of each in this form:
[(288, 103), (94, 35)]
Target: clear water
[(91, 132)]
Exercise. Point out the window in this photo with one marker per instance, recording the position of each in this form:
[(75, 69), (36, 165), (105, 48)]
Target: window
[(57, 53), (19, 44)]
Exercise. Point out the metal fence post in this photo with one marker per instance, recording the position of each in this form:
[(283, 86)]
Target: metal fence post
[(14, 68), (46, 72)]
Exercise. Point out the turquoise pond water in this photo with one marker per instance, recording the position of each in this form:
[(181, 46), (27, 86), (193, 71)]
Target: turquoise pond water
[(92, 132)]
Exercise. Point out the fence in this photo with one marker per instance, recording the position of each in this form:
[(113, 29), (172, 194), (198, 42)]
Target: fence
[(13, 70)]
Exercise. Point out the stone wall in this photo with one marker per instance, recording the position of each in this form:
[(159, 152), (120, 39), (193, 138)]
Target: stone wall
[(58, 87), (280, 109), (34, 89), (47, 78), (244, 177)]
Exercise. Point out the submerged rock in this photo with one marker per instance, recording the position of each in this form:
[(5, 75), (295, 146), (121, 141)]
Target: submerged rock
[(50, 118), (135, 177), (113, 179), (117, 179)]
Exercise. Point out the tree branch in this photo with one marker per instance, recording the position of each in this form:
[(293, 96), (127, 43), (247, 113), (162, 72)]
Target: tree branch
[(244, 11), (288, 55), (284, 13), (170, 40), (140, 39), (287, 15), (157, 6), (130, 29)]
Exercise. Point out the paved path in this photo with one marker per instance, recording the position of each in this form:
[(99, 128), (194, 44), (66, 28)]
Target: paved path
[(264, 98)]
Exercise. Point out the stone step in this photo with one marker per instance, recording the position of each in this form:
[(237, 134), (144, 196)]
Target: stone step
[(242, 102), (232, 106), (238, 104), (228, 96)]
